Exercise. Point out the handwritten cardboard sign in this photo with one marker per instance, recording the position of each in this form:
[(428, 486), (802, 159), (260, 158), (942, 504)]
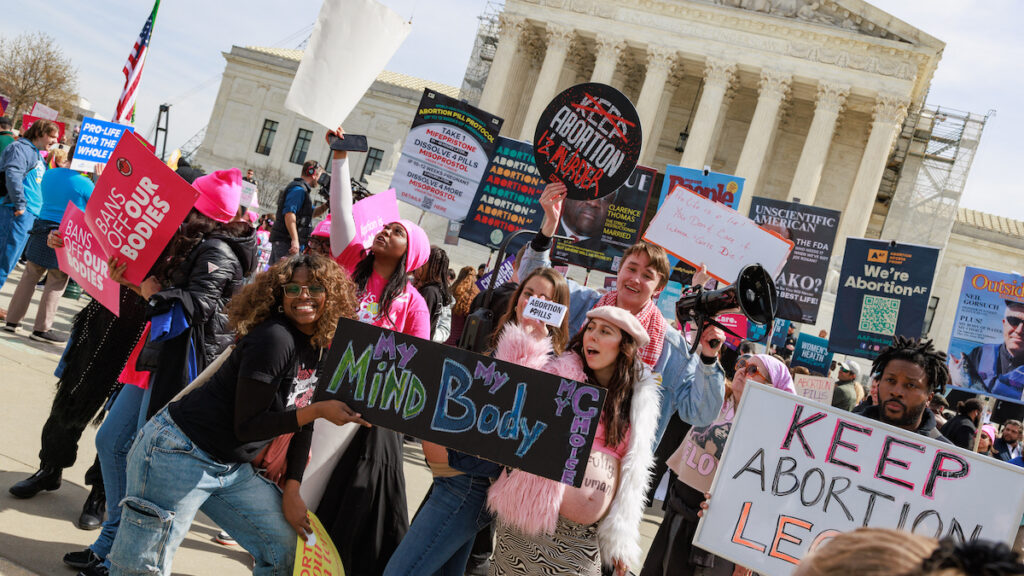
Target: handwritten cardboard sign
[(82, 260), (698, 231), (473, 403), (317, 555), (546, 311), (372, 213), (40, 110), (250, 196), (795, 473), (817, 388), (136, 207), (96, 141)]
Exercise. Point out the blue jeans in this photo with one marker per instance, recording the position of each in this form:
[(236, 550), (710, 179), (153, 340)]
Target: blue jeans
[(169, 480), (13, 236), (113, 441), (441, 536)]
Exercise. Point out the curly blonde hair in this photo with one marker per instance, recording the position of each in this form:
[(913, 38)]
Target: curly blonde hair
[(464, 290), (264, 296)]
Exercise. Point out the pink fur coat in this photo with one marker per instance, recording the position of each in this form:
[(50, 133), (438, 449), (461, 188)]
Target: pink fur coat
[(531, 503)]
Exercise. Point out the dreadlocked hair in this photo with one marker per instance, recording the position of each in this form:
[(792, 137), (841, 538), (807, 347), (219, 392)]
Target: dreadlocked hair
[(393, 289), (916, 351), (974, 558), (435, 271), (619, 400)]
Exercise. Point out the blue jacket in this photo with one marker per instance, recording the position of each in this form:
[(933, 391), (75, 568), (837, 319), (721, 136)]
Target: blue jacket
[(24, 169), (690, 389)]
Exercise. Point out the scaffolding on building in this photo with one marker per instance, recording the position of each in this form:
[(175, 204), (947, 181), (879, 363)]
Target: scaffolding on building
[(926, 175), (484, 48)]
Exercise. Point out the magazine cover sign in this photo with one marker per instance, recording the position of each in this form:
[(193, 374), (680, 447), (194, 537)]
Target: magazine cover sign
[(445, 155), (813, 231), (500, 411), (603, 228), (986, 348), (883, 292), (588, 138), (795, 473)]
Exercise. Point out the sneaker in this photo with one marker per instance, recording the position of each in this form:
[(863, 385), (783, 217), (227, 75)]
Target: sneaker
[(50, 337), (225, 539), (11, 326), (97, 570), (82, 559)]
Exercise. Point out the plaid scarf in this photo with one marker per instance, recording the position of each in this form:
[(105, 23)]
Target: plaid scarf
[(651, 319)]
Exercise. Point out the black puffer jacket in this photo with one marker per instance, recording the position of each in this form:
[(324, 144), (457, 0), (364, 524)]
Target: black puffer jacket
[(204, 284)]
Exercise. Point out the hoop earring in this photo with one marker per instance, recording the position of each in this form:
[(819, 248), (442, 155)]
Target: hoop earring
[(280, 308)]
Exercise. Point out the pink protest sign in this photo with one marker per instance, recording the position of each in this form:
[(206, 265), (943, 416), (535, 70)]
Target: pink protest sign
[(372, 213), (27, 120), (41, 110), (82, 260), (137, 206)]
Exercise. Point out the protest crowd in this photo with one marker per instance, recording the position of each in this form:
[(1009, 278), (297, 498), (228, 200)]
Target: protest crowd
[(236, 348)]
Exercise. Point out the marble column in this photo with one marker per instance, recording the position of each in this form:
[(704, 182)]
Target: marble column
[(659, 64), (718, 75), (772, 90), (504, 59), (831, 98), (886, 121), (671, 84), (559, 40), (609, 51)]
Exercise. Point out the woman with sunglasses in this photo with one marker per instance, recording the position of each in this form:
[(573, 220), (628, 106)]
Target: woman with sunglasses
[(197, 452), (356, 480), (671, 550)]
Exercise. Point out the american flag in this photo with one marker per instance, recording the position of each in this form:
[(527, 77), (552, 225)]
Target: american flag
[(125, 113)]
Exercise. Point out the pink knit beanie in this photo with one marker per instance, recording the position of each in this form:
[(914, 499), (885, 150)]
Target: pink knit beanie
[(219, 194), (418, 250)]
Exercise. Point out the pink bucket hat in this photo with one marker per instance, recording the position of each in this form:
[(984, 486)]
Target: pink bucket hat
[(418, 250), (219, 194)]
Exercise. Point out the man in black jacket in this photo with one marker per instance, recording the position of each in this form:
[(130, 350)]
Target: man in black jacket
[(962, 428), (294, 220), (911, 372)]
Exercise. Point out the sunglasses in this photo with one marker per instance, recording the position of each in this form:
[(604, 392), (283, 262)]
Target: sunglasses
[(294, 290), (749, 369), (1013, 321)]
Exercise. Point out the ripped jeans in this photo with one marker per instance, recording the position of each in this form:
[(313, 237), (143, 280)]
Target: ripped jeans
[(169, 480)]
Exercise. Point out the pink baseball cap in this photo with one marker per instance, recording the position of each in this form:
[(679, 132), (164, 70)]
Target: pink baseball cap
[(323, 229), (219, 194)]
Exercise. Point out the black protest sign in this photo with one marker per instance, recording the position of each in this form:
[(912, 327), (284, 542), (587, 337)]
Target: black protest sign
[(813, 231), (589, 138), (508, 199), (515, 416), (603, 229)]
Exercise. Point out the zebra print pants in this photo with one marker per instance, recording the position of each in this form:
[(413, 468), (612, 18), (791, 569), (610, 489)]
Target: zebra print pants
[(572, 549)]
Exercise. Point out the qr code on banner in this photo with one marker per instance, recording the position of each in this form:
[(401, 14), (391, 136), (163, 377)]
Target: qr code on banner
[(427, 203), (878, 315)]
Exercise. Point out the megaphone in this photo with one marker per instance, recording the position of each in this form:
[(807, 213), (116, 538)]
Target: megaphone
[(753, 294)]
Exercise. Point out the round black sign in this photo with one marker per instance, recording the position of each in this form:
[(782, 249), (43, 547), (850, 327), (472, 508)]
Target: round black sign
[(588, 138)]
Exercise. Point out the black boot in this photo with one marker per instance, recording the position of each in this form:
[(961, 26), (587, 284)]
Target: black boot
[(94, 509), (45, 479)]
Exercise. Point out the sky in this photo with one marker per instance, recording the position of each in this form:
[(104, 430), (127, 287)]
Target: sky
[(978, 71)]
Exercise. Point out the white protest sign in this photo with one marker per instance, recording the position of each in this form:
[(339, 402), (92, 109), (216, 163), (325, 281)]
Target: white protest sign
[(546, 311), (700, 231), (817, 388), (250, 196), (351, 43), (795, 473), (43, 111)]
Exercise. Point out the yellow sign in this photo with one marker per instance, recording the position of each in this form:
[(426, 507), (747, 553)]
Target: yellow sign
[(317, 556)]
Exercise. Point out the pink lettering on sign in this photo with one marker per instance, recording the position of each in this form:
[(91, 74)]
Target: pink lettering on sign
[(82, 260), (372, 213), (136, 207)]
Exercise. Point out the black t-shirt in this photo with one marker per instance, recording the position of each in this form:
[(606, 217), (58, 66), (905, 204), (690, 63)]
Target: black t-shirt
[(253, 397)]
